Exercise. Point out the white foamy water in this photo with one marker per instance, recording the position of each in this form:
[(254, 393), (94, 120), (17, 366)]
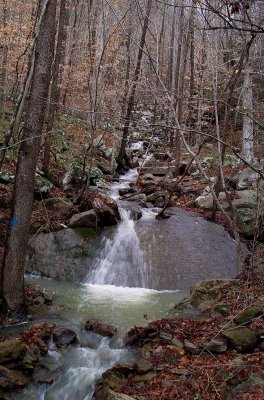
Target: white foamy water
[(121, 262)]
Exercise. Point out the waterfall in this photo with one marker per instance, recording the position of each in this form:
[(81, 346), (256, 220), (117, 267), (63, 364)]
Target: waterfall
[(121, 261)]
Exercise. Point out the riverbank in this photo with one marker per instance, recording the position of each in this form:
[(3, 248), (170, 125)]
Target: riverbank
[(212, 349)]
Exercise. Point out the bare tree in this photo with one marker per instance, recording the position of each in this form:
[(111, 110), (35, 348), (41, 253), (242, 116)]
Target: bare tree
[(12, 282)]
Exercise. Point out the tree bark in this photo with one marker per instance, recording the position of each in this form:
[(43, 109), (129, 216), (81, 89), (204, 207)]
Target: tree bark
[(55, 89), (15, 253)]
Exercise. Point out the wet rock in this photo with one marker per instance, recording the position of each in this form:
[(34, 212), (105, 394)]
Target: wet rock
[(88, 219), (42, 187), (242, 339), (12, 379), (31, 358), (247, 315), (149, 189), (125, 191), (11, 350), (134, 162), (142, 366), (67, 255), (43, 376), (58, 204), (100, 328), (141, 197), (191, 347), (64, 337), (106, 209), (135, 213), (216, 346), (48, 296)]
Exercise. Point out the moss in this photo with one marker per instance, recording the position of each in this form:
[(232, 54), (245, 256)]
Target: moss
[(247, 315), (85, 233), (242, 339)]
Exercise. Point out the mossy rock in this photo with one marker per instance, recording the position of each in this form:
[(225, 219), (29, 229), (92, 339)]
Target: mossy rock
[(206, 291), (11, 350), (242, 339), (85, 233), (57, 204), (247, 315)]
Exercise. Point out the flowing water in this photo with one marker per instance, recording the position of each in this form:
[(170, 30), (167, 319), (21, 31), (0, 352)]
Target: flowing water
[(115, 292)]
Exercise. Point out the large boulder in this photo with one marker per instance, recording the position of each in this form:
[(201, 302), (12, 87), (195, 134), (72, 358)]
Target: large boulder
[(67, 255)]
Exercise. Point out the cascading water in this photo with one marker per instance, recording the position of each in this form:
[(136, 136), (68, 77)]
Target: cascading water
[(121, 261)]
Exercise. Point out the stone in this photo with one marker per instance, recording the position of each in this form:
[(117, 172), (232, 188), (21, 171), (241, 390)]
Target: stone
[(63, 337), (108, 394), (216, 346), (142, 366), (149, 189), (245, 178), (57, 204), (106, 209), (145, 377), (7, 177), (154, 196), (43, 376), (11, 350), (135, 213), (206, 202), (31, 358), (12, 379), (180, 371), (74, 177), (191, 347), (88, 219), (100, 328), (242, 339), (208, 290), (39, 300), (157, 171), (42, 187), (179, 351), (141, 197), (247, 315), (220, 309), (255, 381), (105, 166), (125, 191)]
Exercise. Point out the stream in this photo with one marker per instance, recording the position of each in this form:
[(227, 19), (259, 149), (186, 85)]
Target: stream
[(126, 286)]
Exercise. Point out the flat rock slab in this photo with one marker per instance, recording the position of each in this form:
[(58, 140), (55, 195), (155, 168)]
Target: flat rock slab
[(186, 249)]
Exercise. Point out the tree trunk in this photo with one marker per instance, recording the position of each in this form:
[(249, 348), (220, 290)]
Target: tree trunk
[(15, 253), (55, 89), (248, 126), (3, 76), (122, 153)]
